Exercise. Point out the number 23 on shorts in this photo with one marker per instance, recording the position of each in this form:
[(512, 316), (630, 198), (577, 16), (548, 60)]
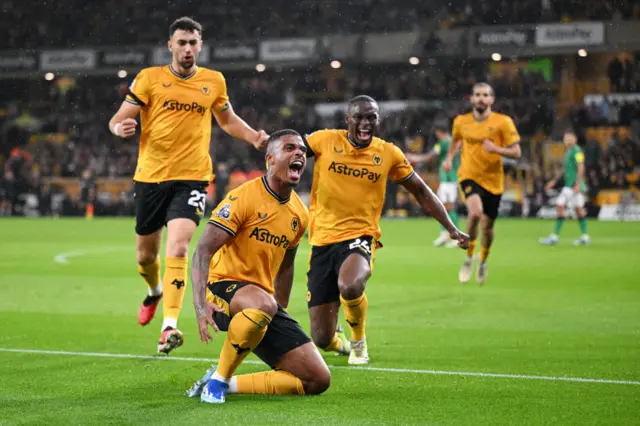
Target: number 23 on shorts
[(197, 200)]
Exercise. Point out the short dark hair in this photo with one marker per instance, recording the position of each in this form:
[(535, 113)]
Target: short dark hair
[(361, 98), (186, 24), (483, 84), (570, 130), (275, 136)]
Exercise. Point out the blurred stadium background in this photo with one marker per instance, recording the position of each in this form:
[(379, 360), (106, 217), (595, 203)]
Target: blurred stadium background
[(554, 64), (551, 339)]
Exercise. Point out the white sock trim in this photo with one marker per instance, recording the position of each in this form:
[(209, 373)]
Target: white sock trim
[(233, 385), (169, 322), (218, 377), (156, 291)]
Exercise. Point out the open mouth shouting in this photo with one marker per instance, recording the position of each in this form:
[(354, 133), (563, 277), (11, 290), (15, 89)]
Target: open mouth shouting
[(364, 133), (296, 168)]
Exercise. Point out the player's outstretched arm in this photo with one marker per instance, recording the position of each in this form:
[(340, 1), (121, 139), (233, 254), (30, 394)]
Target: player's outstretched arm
[(432, 205), (231, 123), (123, 123), (210, 242), (284, 280)]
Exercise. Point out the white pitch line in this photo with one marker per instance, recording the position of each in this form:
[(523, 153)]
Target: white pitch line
[(335, 367), (63, 258)]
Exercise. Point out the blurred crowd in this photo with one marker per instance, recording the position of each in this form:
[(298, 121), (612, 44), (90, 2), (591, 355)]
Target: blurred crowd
[(55, 131), (93, 22), (624, 73), (606, 112), (59, 128), (244, 20), (502, 12)]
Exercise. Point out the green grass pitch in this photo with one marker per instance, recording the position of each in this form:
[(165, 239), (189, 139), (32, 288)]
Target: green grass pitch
[(559, 312)]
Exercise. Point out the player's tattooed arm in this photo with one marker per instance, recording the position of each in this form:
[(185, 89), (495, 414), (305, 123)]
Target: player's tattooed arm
[(432, 205), (211, 241), (284, 280)]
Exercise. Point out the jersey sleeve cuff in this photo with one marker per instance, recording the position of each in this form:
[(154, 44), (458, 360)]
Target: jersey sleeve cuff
[(224, 228), (134, 99), (223, 107), (406, 178)]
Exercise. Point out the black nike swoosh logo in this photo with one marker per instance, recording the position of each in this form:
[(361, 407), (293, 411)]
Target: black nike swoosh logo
[(339, 151), (167, 85), (232, 198)]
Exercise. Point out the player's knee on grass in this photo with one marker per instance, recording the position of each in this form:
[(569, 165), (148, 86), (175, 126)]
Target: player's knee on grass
[(322, 336), (318, 382), (306, 363), (323, 320)]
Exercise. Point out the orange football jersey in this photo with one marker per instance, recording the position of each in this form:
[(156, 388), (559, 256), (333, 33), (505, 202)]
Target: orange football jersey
[(176, 120), (263, 227), (476, 164), (349, 185)]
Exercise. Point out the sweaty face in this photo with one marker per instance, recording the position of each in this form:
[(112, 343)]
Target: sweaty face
[(481, 99), (185, 46), (363, 120), (569, 139), (288, 159)]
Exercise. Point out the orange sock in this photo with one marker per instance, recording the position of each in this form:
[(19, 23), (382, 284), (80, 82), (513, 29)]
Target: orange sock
[(174, 283), (355, 312), (151, 274), (472, 248), (274, 382), (246, 330), (484, 253)]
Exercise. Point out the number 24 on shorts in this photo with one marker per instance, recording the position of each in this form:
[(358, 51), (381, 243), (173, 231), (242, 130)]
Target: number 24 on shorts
[(197, 199), (359, 243)]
